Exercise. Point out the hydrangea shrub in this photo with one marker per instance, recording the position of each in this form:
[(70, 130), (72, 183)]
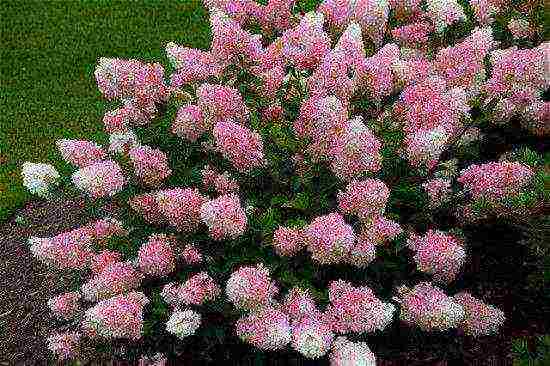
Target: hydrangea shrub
[(271, 178)]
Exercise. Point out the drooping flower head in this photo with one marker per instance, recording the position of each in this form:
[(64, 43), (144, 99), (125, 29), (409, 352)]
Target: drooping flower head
[(480, 318)]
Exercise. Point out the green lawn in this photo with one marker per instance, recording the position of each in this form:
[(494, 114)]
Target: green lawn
[(49, 51)]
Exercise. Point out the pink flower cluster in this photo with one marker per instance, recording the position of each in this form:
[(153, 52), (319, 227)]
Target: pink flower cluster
[(65, 306), (480, 318), (429, 308), (180, 207), (156, 257), (114, 279), (224, 217), (150, 165), (517, 81), (251, 288), (140, 86), (444, 13), (221, 183), (219, 103), (191, 255), (118, 317), (287, 241), (486, 10), (102, 260), (438, 190), (366, 198), (495, 180), (329, 239), (80, 153), (356, 309), (267, 329), (439, 254), (192, 65), (241, 146), (100, 179), (345, 353), (197, 290), (64, 345), (71, 249), (189, 123), (371, 16)]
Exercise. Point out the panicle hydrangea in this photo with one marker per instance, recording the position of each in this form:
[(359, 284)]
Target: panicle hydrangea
[(429, 308), (239, 10), (104, 259), (355, 152), (321, 120), (537, 118), (114, 279), (240, 145), (356, 309), (218, 103), (181, 207), (304, 45), (103, 178), (380, 230), (64, 345), (156, 257), (406, 8), (189, 123), (230, 42), (80, 153), (463, 63), (444, 13), (150, 165), (197, 290), (71, 249), (298, 303), (191, 64), (117, 120), (438, 190), (104, 229), (335, 74), (146, 205), (224, 217), (347, 353), (122, 142), (277, 15), (480, 318), (375, 73), (288, 241), (329, 239), (371, 15), (65, 306), (221, 183), (517, 80), (191, 255), (183, 323), (268, 329), (413, 34), (407, 71), (251, 288), (364, 198), (495, 180), (118, 78), (39, 178), (312, 336), (439, 254), (118, 317)]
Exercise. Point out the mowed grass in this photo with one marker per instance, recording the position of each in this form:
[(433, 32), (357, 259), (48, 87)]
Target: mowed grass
[(49, 51)]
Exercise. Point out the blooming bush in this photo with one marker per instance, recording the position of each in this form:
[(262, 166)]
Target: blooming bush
[(365, 154)]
